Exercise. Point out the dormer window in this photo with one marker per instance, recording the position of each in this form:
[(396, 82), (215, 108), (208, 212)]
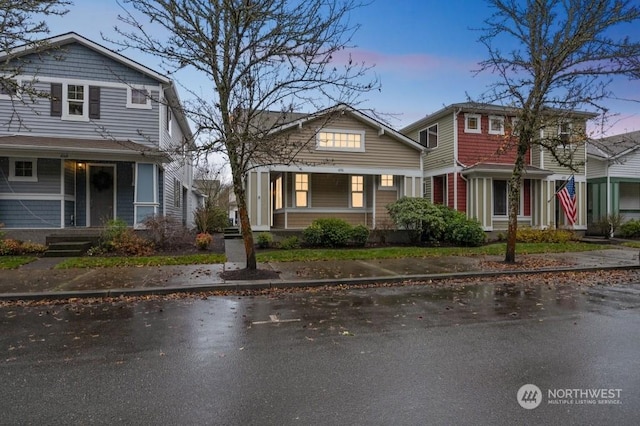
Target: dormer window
[(340, 140), (564, 132), (75, 102), (472, 123)]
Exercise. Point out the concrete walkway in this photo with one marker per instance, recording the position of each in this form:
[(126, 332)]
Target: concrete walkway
[(40, 279)]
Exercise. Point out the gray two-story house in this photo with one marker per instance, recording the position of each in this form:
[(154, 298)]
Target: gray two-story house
[(94, 138)]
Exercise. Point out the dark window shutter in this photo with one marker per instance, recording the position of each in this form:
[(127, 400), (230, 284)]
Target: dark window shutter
[(94, 102), (423, 138), (56, 99)]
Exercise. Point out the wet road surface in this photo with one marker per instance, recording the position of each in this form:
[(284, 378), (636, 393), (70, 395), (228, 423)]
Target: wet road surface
[(397, 355)]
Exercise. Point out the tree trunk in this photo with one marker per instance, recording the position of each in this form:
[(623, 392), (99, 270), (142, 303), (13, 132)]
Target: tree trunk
[(514, 203), (245, 223)]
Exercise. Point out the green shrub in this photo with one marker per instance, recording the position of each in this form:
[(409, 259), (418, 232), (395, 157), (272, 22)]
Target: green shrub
[(359, 235), (119, 239), (423, 219), (203, 240), (289, 243), (264, 239), (328, 232), (113, 229), (462, 231), (630, 229), (210, 219), (530, 235)]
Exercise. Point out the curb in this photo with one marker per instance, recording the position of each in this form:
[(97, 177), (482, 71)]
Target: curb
[(269, 284)]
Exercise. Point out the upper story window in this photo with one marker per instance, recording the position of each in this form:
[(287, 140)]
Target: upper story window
[(168, 120), (24, 170), (340, 140), (514, 126), (9, 88), (429, 136), (75, 101), (138, 97), (472, 123), (564, 132), (496, 125)]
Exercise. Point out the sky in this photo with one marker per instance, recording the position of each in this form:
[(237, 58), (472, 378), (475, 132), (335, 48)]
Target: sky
[(423, 51)]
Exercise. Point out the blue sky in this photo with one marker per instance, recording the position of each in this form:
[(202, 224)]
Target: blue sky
[(424, 53)]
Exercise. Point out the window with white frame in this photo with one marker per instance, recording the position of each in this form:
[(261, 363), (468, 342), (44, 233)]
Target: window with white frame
[(277, 193), (514, 126), (23, 169), (564, 132), (496, 125), (357, 191), (386, 181), (76, 101), (472, 123), (429, 136), (302, 189), (138, 97), (340, 140), (168, 121)]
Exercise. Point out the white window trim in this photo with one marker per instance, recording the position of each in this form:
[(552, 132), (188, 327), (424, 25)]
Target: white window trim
[(466, 123), (514, 125), (65, 103), (12, 170), (391, 187), (501, 120), (168, 117), (17, 95), (130, 103), (426, 130), (339, 149), (277, 193)]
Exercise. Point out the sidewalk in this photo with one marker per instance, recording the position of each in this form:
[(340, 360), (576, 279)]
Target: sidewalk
[(39, 280)]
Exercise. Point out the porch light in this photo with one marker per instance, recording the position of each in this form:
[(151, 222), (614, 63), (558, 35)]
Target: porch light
[(80, 166)]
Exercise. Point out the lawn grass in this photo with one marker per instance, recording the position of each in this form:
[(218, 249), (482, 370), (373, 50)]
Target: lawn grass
[(13, 262), (303, 255), (117, 261), (632, 244)]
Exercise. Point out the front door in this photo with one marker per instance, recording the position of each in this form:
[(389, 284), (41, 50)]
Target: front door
[(101, 194)]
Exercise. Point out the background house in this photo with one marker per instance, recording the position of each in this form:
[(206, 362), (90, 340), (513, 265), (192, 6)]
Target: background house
[(471, 157), (613, 177), (102, 141), (353, 167)]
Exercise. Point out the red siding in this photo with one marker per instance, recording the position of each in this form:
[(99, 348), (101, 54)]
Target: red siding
[(450, 190), (462, 195), (527, 197), (485, 148), (438, 196)]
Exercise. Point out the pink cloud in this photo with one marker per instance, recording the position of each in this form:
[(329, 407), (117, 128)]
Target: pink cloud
[(405, 63), (615, 125)]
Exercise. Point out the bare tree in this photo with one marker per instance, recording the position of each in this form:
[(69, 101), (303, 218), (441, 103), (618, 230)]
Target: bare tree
[(560, 56), (22, 23), (259, 55)]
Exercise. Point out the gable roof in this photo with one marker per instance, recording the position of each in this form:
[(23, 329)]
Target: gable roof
[(383, 129), (615, 146), (72, 37), (477, 107)]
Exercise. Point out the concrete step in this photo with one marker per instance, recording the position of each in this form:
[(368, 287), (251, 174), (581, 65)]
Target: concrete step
[(232, 232), (92, 239), (68, 249)]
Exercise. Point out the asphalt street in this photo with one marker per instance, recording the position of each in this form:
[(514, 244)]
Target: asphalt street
[(397, 355)]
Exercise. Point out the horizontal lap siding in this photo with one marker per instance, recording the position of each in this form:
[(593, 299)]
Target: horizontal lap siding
[(442, 155), (115, 122), (30, 213), (627, 167), (125, 190), (462, 194), (297, 220), (329, 190), (278, 220), (69, 213), (381, 151), (48, 171), (383, 199), (69, 177), (550, 163)]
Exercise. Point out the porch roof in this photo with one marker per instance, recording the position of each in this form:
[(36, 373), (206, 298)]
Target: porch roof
[(81, 148), (495, 169)]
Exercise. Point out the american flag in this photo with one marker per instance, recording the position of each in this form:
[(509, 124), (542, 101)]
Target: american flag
[(567, 197)]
